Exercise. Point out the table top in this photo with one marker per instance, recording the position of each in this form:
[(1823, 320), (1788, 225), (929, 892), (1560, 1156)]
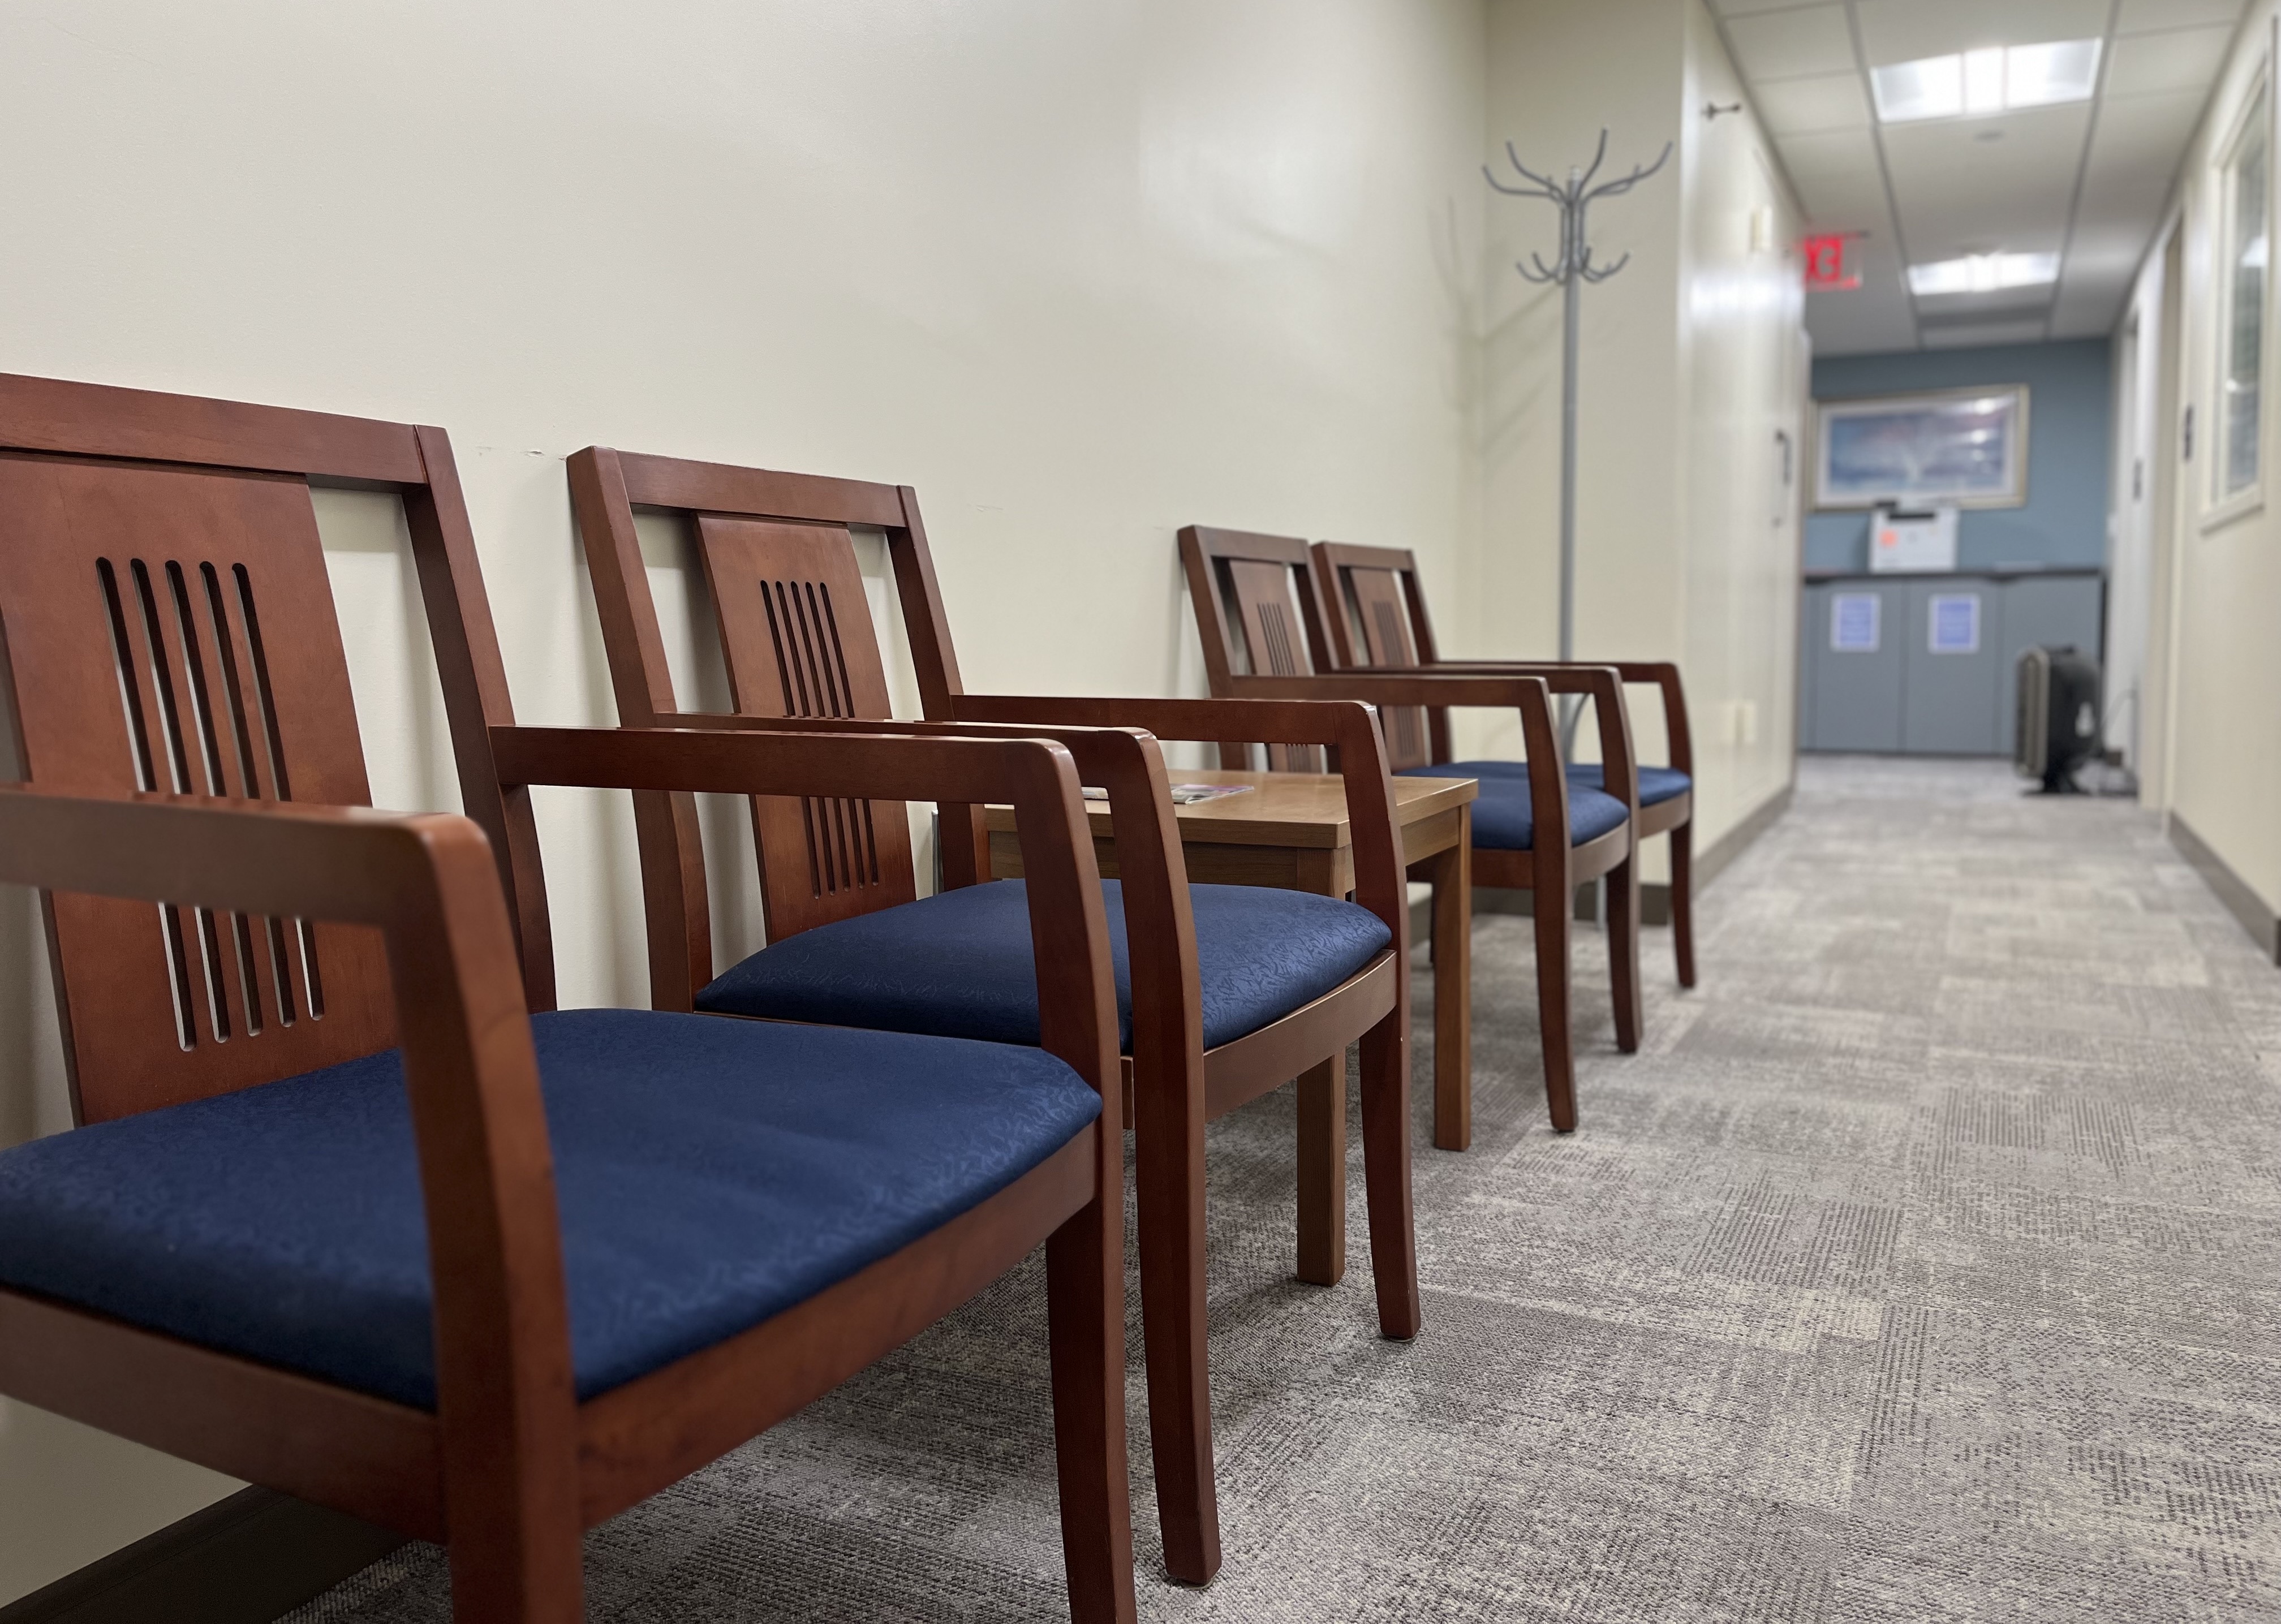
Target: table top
[(1281, 808)]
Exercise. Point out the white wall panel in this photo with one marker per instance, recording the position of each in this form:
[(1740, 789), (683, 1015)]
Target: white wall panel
[(1082, 274)]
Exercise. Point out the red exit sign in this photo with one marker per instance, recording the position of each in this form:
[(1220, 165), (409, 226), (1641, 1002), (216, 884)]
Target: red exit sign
[(1825, 262)]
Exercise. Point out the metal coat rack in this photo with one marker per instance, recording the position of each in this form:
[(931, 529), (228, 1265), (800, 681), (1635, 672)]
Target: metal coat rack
[(1572, 268)]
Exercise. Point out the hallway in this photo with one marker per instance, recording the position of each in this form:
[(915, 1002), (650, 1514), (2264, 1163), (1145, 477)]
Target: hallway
[(1923, 1268)]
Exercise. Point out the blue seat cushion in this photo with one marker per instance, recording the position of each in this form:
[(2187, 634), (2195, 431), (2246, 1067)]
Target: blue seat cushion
[(1655, 783), (959, 963), (708, 1173), (1504, 820)]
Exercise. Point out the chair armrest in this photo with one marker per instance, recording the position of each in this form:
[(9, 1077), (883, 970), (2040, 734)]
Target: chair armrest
[(1548, 775), (1380, 875), (1159, 920), (1661, 675), (1601, 684), (1069, 929), (429, 883)]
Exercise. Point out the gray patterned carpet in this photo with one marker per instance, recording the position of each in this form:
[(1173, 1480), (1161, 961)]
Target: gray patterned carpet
[(1926, 1265)]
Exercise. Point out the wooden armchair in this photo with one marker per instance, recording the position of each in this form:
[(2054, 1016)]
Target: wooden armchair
[(1263, 618), (1225, 992), (352, 1211), (1377, 617)]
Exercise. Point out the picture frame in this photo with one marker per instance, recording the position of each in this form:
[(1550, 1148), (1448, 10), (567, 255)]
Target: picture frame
[(1963, 447)]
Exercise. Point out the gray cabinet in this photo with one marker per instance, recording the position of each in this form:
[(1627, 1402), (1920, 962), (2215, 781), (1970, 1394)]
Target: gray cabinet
[(1951, 686), (1851, 686), (1927, 664)]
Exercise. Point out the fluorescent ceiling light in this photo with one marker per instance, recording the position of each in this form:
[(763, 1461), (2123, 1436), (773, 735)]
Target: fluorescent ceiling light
[(2047, 76), (1983, 80), (1982, 274), (1978, 83), (1930, 89)]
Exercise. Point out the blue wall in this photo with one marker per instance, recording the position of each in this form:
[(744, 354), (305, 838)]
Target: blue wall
[(2065, 519)]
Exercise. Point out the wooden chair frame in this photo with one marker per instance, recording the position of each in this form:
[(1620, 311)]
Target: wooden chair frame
[(1248, 653), (1340, 569), (510, 1467), (1177, 1085)]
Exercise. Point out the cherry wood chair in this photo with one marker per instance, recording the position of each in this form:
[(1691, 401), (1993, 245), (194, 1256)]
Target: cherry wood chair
[(1225, 992), (1263, 617), (352, 1211), (1377, 618)]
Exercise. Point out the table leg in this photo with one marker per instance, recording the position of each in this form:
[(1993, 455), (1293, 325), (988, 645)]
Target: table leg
[(1452, 878), (1323, 1171)]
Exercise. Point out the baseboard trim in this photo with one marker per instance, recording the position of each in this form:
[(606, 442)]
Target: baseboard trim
[(1714, 859), (2230, 889), (246, 1560), (1655, 900), (1655, 903)]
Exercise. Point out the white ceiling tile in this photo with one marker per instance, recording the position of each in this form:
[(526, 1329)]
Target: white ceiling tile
[(1829, 152), (1792, 45), (2146, 126), (2181, 59), (1825, 102), (1903, 30), (2116, 215), (2145, 16), (1838, 179), (1744, 8), (1967, 335), (2089, 306), (1957, 194), (2107, 248), (2134, 159), (2084, 323)]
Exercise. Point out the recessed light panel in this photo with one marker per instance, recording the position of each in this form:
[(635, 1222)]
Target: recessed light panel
[(1982, 274), (1932, 88), (2049, 76), (1979, 83)]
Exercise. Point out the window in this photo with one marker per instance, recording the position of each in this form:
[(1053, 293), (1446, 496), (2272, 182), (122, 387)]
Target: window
[(2241, 363)]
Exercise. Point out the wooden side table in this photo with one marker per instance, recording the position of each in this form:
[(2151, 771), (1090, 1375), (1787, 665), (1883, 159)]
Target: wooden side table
[(1290, 831)]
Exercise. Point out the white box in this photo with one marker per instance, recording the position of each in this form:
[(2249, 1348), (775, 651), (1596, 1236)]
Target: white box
[(1905, 541)]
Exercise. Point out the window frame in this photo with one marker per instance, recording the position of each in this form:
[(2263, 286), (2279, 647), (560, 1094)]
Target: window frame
[(2255, 118)]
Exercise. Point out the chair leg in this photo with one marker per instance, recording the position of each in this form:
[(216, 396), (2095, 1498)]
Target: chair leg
[(1386, 1173), (1623, 950), (1169, 1148), (1682, 900), (1323, 1171), (488, 1582), (1553, 903), (511, 1530), (1452, 875), (1085, 1317)]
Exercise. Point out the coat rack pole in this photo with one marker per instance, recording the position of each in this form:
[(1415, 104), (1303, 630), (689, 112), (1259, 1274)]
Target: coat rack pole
[(1571, 314), (1572, 268), (1571, 319)]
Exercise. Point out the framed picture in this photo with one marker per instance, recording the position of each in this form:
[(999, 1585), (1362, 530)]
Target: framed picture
[(1964, 446)]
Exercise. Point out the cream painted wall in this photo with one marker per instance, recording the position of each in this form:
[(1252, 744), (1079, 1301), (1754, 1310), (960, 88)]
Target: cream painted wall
[(2218, 760), (1082, 274), (1692, 358), (1744, 367)]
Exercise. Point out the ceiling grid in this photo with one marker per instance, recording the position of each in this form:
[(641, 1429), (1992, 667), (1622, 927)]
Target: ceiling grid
[(2038, 202)]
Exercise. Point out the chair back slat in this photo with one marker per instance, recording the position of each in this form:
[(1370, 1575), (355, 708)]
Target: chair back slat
[(1260, 614), (796, 635), (171, 628), (1370, 599), (798, 638), (167, 626)]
